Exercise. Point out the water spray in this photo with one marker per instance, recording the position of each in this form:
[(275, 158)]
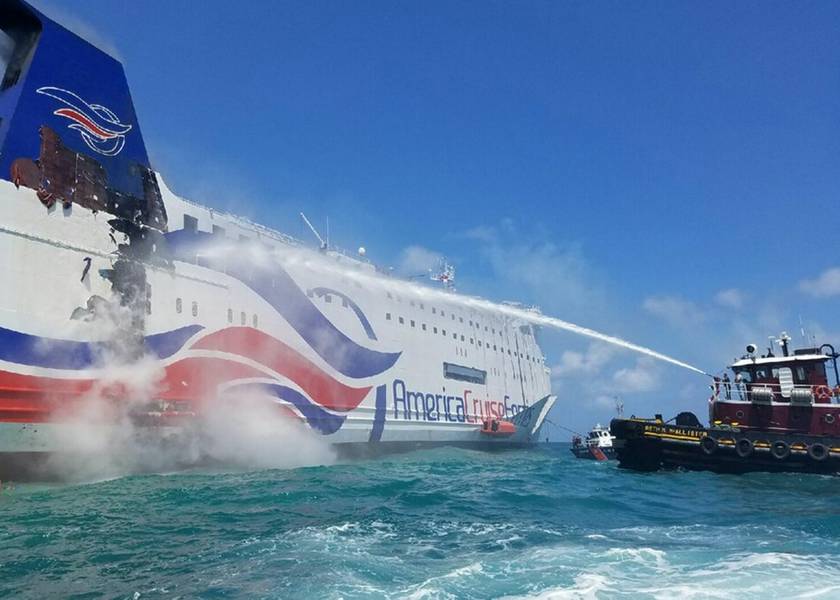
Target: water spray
[(369, 280)]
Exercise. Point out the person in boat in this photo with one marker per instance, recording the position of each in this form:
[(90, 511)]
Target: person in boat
[(727, 386), (739, 385)]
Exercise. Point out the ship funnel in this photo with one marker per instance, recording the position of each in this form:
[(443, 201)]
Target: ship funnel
[(67, 123)]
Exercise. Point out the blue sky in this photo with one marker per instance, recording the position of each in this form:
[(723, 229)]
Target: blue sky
[(666, 172)]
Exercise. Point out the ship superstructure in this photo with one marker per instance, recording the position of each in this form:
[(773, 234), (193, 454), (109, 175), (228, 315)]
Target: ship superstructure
[(103, 265)]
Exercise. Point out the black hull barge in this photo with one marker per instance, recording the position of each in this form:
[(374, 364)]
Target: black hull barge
[(778, 414)]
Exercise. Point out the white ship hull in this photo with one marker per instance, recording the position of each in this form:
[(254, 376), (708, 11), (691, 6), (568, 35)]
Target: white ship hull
[(122, 301), (223, 334)]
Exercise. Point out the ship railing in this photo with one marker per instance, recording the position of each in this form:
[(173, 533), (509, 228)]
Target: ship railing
[(761, 393)]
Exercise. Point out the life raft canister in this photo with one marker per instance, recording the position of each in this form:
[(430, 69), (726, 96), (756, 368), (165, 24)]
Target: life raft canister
[(497, 428)]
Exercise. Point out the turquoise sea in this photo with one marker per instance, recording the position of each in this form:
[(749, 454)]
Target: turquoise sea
[(443, 523)]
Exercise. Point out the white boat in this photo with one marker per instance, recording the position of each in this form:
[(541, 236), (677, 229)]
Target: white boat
[(104, 266), (598, 444)]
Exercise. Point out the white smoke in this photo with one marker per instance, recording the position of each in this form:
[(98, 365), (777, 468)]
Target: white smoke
[(121, 425), (105, 436)]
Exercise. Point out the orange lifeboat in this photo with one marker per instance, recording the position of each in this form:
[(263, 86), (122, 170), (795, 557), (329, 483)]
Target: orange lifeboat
[(497, 428)]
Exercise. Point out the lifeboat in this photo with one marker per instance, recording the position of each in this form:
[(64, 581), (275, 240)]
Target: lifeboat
[(497, 428)]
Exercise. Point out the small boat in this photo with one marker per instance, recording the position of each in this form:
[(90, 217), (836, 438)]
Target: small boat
[(598, 444), (777, 413)]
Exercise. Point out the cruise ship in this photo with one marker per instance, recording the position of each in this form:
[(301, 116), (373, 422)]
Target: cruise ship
[(105, 267)]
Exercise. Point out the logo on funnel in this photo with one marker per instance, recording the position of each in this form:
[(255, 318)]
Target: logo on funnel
[(99, 127)]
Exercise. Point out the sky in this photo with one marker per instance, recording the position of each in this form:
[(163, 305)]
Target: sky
[(666, 172)]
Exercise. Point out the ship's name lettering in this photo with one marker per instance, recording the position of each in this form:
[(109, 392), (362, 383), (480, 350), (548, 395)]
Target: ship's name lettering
[(466, 408), (673, 430)]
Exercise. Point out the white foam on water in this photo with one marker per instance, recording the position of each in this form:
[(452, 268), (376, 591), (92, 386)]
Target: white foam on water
[(585, 586), (431, 587)]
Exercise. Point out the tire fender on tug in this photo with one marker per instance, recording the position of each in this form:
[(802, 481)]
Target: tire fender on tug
[(744, 447), (780, 449), (708, 445), (818, 452)]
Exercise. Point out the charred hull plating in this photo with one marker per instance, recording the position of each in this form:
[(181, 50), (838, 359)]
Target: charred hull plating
[(107, 270)]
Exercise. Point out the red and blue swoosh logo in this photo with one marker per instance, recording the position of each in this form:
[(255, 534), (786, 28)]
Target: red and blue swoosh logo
[(99, 127), (199, 363)]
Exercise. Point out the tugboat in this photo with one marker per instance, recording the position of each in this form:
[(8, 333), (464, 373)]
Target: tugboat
[(777, 413), (598, 444)]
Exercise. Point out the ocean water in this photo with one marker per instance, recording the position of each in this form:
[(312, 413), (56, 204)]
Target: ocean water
[(443, 523)]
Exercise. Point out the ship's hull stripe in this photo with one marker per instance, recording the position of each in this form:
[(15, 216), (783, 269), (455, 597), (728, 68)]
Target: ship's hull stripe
[(35, 351)]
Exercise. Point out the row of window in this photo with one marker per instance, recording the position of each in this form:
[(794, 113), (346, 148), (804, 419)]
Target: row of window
[(243, 317), (524, 329), (473, 341)]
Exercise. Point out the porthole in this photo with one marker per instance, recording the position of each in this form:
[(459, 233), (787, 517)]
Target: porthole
[(178, 306), (739, 414), (195, 309)]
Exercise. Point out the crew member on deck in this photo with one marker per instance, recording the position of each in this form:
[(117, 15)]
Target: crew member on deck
[(727, 387), (739, 385)]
